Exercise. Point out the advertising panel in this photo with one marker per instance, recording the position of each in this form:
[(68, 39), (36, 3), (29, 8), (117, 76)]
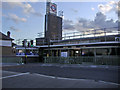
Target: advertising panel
[(64, 54)]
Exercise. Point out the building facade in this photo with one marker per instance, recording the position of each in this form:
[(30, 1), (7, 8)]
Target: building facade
[(6, 45), (53, 27), (53, 23), (105, 51)]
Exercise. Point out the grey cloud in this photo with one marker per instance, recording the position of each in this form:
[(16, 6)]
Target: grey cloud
[(100, 18), (68, 25), (118, 11), (12, 28), (11, 5), (15, 18), (67, 21), (74, 10), (110, 6), (26, 7), (85, 25), (101, 22), (37, 14)]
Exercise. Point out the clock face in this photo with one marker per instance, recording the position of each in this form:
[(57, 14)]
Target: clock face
[(53, 8)]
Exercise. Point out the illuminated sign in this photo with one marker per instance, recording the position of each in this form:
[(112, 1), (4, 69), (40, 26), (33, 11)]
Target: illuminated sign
[(64, 54), (53, 8)]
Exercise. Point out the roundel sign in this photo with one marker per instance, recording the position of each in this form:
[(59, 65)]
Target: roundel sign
[(53, 8)]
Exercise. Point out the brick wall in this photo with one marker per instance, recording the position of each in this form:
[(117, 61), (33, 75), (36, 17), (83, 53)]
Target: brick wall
[(7, 51)]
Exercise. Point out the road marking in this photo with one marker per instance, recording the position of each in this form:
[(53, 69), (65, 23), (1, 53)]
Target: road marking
[(76, 79), (14, 75), (88, 80), (55, 77), (44, 75), (109, 82), (10, 72), (72, 79)]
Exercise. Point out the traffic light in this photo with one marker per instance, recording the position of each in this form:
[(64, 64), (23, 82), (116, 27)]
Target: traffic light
[(31, 43), (28, 44), (23, 43)]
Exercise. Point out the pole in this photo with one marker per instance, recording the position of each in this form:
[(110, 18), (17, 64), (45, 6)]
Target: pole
[(95, 61), (25, 42), (105, 33), (25, 55), (49, 46)]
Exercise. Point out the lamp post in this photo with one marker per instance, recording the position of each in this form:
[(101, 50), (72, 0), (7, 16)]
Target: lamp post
[(49, 46), (105, 33), (25, 55), (25, 42)]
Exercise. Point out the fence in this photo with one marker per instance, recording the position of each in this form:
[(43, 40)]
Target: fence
[(11, 59), (16, 59), (98, 60)]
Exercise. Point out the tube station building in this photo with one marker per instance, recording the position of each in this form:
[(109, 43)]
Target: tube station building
[(100, 47)]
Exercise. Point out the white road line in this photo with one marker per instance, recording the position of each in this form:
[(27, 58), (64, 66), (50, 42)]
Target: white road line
[(89, 80), (10, 72), (15, 75), (75, 79), (44, 75), (109, 82), (56, 77)]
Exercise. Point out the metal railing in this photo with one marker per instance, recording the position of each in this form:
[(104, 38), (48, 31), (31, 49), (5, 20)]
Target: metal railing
[(19, 60), (11, 59), (91, 33), (98, 60)]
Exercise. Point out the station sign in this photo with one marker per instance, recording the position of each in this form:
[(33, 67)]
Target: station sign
[(51, 8)]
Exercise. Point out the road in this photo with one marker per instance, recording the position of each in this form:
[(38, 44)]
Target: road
[(40, 76)]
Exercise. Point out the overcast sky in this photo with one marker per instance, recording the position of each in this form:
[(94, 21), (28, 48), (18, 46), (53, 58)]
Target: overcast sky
[(26, 19)]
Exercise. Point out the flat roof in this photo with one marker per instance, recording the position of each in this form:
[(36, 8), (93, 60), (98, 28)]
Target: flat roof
[(84, 38), (94, 43), (26, 48), (81, 48)]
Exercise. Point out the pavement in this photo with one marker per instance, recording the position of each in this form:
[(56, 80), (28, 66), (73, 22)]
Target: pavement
[(9, 64), (43, 75), (63, 65)]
